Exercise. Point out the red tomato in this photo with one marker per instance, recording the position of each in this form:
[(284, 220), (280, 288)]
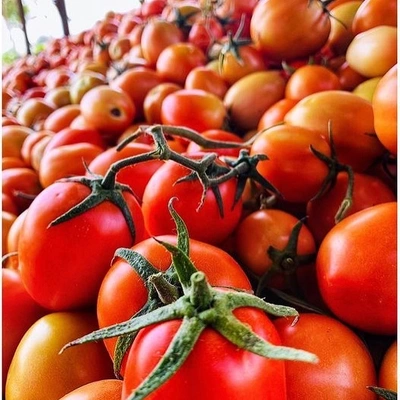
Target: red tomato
[(288, 40), (291, 166), (37, 360), (217, 134), (135, 176), (123, 286), (345, 366), (368, 191), (105, 389), (69, 275), (193, 108), (357, 269), (200, 375), (204, 223), (310, 78), (19, 312), (387, 377), (207, 79), (184, 54), (275, 114)]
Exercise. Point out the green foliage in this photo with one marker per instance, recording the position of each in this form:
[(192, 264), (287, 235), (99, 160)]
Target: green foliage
[(10, 11), (9, 57)]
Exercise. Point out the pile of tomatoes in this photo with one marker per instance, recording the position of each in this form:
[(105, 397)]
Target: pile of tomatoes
[(272, 124)]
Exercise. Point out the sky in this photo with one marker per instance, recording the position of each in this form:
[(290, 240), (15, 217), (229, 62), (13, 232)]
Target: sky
[(44, 19)]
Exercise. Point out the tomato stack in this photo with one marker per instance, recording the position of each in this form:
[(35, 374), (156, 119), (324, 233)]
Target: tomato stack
[(200, 201)]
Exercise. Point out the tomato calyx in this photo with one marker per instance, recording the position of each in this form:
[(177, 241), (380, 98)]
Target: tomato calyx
[(335, 167), (286, 262), (200, 306), (98, 195), (232, 46), (383, 393)]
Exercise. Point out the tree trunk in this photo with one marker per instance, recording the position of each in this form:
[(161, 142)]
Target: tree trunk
[(23, 21), (60, 4)]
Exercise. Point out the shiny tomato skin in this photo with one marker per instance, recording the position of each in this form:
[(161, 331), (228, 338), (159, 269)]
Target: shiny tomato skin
[(62, 266), (368, 191), (201, 376), (19, 312), (105, 389), (204, 223), (357, 269), (37, 361), (345, 365), (123, 293), (387, 376)]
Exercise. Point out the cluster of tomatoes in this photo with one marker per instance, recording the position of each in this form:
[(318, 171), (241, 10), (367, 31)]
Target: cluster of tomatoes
[(272, 124)]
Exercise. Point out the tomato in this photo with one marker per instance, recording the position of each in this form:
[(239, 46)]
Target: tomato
[(200, 375), (387, 377), (248, 98), (83, 82), (108, 110), (61, 117), (217, 134), (7, 221), (69, 276), (22, 184), (352, 125), (310, 78), (341, 34), (123, 293), (205, 222), (19, 312), (345, 366), (357, 269), (156, 36), (153, 100), (135, 176), (285, 41), (275, 114), (384, 105), (291, 166), (348, 77), (37, 360), (373, 52), (367, 88), (184, 54), (12, 139), (66, 161), (193, 108), (368, 191), (237, 61), (205, 31), (207, 79), (58, 97), (105, 389), (8, 204), (137, 82), (268, 227), (373, 13), (33, 111)]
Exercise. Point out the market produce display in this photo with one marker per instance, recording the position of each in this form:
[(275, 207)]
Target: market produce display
[(199, 201)]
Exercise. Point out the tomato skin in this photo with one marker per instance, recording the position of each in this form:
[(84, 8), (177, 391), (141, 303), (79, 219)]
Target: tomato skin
[(200, 375), (352, 122), (368, 191), (206, 223), (193, 108), (345, 365), (105, 389), (135, 176), (387, 377), (384, 104), (285, 41), (357, 258), (19, 312), (37, 360), (276, 113), (291, 166), (123, 293), (69, 276), (264, 228)]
